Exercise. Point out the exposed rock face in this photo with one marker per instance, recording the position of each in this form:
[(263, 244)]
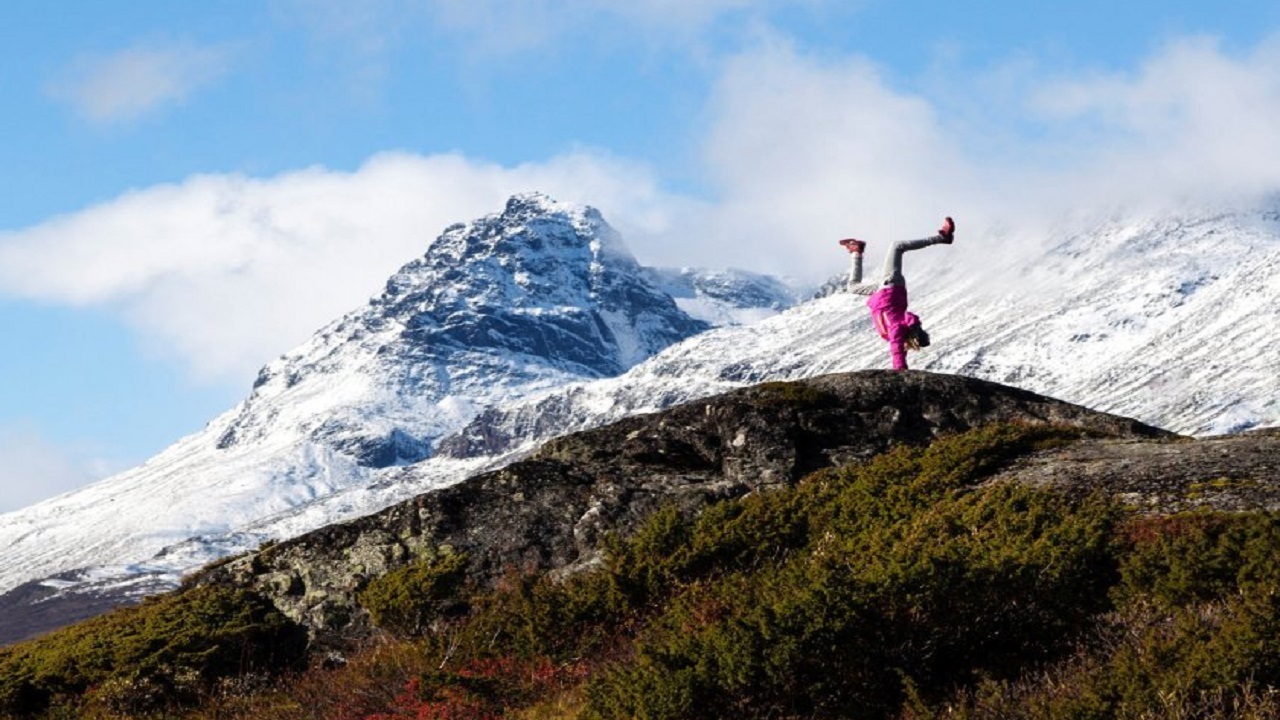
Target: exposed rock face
[(553, 510), (1236, 472)]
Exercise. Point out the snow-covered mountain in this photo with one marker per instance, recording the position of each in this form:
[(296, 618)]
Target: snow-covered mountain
[(507, 331), (507, 307), (527, 300), (1166, 320), (724, 297)]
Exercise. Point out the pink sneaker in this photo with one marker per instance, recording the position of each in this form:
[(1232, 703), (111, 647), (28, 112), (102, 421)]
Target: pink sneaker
[(853, 246), (948, 231)]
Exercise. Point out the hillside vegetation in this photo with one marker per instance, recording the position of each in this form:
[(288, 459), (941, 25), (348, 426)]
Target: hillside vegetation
[(896, 588)]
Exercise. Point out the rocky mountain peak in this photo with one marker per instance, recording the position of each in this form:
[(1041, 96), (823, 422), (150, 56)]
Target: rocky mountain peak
[(536, 253), (541, 293), (498, 282)]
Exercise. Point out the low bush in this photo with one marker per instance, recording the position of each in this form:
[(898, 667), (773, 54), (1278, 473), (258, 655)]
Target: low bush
[(793, 395), (892, 574), (161, 653), (900, 588), (406, 600), (1189, 557), (1195, 632)]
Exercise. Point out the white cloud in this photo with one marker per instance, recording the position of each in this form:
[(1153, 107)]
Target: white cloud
[(223, 272), (133, 82), (804, 152), (1192, 120), (32, 468)]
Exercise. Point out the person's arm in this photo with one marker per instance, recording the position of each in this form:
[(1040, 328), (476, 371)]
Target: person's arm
[(896, 333), (898, 352)]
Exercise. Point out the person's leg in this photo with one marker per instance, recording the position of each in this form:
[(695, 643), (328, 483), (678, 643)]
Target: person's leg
[(855, 268), (891, 271), (854, 283)]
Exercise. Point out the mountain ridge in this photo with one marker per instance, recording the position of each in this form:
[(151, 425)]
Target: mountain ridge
[(553, 510), (1129, 318), (513, 304)]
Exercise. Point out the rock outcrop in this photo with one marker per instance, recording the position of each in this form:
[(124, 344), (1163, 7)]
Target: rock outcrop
[(1231, 472), (553, 510)]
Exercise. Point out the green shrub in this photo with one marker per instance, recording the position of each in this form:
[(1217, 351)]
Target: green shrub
[(158, 653), (1210, 660), (1196, 632), (535, 616), (1190, 557), (891, 571), (793, 394), (669, 551), (1199, 649), (406, 600), (898, 588)]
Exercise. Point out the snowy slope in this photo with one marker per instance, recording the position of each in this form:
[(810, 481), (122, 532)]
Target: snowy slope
[(500, 309), (1168, 321), (724, 297), (1165, 320)]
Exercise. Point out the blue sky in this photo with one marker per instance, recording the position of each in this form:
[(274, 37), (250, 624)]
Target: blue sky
[(192, 188)]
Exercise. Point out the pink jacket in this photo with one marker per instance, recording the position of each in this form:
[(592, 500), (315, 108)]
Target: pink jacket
[(889, 313)]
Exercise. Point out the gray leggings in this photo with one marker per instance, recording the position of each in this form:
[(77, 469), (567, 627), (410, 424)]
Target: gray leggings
[(891, 271)]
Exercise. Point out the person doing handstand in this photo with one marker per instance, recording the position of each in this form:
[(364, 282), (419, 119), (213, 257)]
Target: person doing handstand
[(888, 297)]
